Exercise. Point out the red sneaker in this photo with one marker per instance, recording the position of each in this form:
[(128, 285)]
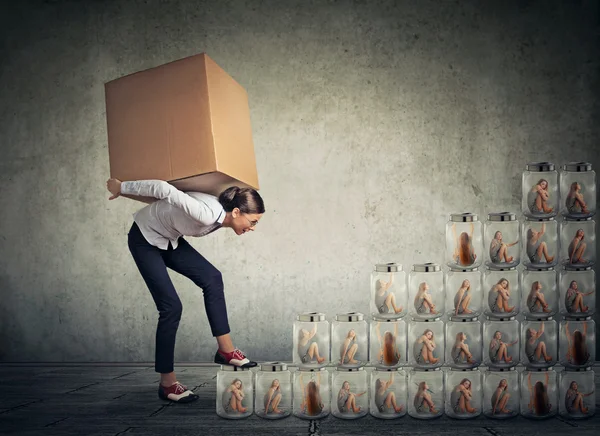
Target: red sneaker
[(235, 358), (177, 393)]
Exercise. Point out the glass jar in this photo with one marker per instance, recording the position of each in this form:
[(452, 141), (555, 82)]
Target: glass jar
[(388, 393), (577, 342), (578, 242), (501, 339), (540, 243), (502, 298), (463, 344), (388, 291), (273, 387), (350, 393), (463, 294), (578, 190), (425, 393), (577, 292), (464, 242), (235, 392), (539, 298), (426, 343), (312, 393), (464, 394), (577, 396), (350, 340), (539, 343), (540, 190), (501, 393), (502, 240), (388, 343), (539, 393), (311, 340), (426, 291)]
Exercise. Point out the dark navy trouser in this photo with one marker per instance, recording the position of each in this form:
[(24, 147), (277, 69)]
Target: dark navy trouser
[(152, 263)]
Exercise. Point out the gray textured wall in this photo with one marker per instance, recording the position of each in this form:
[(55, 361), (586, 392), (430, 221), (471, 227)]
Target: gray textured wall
[(372, 121)]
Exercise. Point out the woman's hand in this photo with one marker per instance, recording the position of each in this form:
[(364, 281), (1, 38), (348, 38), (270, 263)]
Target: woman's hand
[(114, 186)]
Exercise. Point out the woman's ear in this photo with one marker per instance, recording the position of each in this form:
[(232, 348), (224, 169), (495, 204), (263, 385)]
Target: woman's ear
[(235, 212)]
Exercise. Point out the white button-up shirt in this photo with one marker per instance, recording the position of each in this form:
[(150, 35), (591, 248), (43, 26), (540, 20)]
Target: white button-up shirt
[(175, 214)]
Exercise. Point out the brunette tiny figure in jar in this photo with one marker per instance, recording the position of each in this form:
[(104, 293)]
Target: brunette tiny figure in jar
[(233, 397), (574, 399), (536, 248), (423, 301), (535, 349), (499, 297), (348, 349), (312, 404), (388, 351), (464, 253), (386, 400), (577, 353), (385, 301), (500, 398), (306, 349), (461, 397), (538, 198), (273, 398), (346, 400), (423, 402), (574, 202), (423, 349), (499, 249), (460, 350), (463, 298), (499, 350), (536, 302), (539, 403), (574, 299), (577, 248)]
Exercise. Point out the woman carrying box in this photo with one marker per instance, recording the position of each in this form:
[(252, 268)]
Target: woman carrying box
[(156, 243)]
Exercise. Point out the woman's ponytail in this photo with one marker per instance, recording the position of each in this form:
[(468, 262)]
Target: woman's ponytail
[(247, 200)]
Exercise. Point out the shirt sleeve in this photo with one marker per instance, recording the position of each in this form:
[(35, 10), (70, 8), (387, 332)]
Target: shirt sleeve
[(197, 209)]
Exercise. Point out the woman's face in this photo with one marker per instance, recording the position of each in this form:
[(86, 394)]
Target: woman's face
[(244, 222), (503, 383), (574, 386), (429, 335), (499, 236), (504, 284), (426, 286), (238, 384), (574, 285), (346, 386), (544, 184), (579, 233), (467, 384), (351, 333), (466, 283), (464, 336), (498, 335), (275, 383), (532, 332)]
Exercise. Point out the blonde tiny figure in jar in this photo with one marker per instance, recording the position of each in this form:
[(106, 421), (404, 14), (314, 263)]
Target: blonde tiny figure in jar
[(424, 348), (385, 301), (499, 350), (273, 398), (536, 302), (538, 198), (460, 350), (574, 399), (499, 296), (463, 298), (536, 248), (423, 301), (461, 397), (500, 398), (308, 350), (348, 349), (385, 400), (535, 349), (574, 299), (539, 403), (464, 253), (577, 353), (233, 397), (346, 400), (574, 202), (312, 404), (577, 248), (423, 402), (499, 249), (388, 351)]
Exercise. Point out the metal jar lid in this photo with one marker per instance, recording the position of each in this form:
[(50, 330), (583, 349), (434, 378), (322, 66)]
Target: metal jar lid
[(455, 268), (583, 218), (540, 220), (502, 216), (466, 217), (426, 267), (311, 317), (577, 166), (502, 318), (576, 268), (388, 267), (273, 366), (541, 267), (344, 369), (233, 368), (540, 166), (309, 369), (350, 317), (512, 368)]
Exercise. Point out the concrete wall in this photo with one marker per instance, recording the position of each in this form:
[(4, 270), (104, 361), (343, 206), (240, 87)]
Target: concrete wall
[(372, 122)]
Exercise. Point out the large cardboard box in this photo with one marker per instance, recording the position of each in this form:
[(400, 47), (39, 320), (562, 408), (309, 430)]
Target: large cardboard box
[(186, 122)]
